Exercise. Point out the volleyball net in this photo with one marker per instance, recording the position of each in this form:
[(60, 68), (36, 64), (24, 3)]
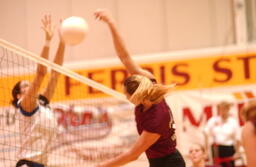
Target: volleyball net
[(92, 118)]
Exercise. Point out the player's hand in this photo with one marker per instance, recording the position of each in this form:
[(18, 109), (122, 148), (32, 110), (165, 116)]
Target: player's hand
[(47, 27), (103, 15)]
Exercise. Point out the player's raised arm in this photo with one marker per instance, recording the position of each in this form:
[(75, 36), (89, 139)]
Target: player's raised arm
[(29, 100), (121, 50), (58, 59)]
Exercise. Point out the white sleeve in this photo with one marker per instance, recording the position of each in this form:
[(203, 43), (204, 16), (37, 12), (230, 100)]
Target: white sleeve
[(209, 125)]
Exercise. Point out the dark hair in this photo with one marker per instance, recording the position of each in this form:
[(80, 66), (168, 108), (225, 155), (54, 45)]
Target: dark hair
[(131, 84), (15, 92)]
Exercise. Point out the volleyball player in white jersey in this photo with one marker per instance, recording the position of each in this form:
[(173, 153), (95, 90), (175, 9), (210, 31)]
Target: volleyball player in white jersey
[(37, 124)]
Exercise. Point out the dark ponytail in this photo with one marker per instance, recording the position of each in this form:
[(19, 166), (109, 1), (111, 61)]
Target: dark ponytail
[(15, 92)]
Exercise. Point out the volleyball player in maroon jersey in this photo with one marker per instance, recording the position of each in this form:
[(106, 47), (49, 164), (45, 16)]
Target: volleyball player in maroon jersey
[(153, 116)]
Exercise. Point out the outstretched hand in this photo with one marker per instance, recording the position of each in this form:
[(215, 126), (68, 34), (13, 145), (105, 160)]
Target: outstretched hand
[(47, 27), (103, 15)]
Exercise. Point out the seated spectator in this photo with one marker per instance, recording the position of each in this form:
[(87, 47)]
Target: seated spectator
[(198, 156)]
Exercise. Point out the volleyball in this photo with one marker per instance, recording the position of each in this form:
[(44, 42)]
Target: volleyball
[(73, 30)]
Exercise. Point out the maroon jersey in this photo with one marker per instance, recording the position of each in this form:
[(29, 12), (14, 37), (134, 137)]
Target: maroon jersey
[(157, 119)]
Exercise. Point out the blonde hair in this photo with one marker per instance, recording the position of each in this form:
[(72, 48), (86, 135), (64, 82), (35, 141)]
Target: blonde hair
[(142, 88)]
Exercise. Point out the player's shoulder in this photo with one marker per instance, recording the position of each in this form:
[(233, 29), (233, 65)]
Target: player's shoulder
[(161, 106)]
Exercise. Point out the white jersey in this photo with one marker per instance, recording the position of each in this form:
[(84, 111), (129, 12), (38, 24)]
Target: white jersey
[(36, 134), (223, 132)]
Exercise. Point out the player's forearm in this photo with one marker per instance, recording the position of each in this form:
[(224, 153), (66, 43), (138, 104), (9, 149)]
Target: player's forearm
[(59, 58), (120, 48), (46, 48), (41, 69), (122, 51), (50, 89)]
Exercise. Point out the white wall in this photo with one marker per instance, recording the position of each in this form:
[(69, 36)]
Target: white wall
[(198, 23), (147, 25), (13, 25)]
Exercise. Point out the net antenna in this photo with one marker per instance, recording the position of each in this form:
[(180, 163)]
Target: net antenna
[(37, 59)]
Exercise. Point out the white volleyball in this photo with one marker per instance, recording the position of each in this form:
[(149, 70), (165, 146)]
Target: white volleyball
[(73, 30)]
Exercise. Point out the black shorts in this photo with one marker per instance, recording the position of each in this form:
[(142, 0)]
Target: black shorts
[(174, 159), (28, 163), (221, 151)]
